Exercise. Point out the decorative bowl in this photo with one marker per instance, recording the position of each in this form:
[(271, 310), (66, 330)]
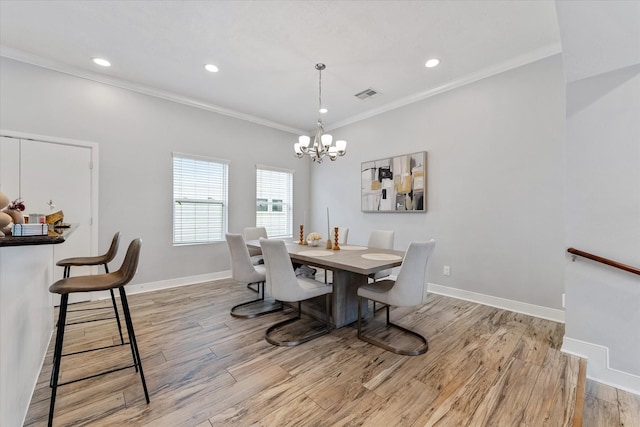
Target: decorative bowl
[(312, 242)]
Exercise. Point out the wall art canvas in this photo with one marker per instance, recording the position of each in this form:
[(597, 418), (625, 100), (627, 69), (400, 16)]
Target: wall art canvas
[(395, 184)]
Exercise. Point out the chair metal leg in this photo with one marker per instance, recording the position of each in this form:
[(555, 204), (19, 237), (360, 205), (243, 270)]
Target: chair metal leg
[(57, 355), (415, 352), (301, 340), (115, 311), (267, 310), (132, 340)]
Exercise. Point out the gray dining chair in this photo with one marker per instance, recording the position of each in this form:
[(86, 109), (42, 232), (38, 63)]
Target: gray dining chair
[(409, 289), (382, 239), (242, 270), (255, 233), (283, 284)]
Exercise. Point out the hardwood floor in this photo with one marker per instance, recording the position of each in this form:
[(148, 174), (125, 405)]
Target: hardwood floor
[(204, 368)]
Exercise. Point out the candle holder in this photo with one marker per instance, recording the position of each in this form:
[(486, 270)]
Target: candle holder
[(336, 247), (302, 241), (329, 244)]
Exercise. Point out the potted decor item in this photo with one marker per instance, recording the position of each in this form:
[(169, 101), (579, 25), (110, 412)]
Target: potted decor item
[(14, 210), (5, 219), (313, 239)]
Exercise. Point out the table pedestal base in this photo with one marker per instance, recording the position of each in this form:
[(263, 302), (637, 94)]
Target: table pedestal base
[(344, 300)]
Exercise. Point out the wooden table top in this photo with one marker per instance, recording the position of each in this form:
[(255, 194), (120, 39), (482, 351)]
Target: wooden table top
[(350, 258)]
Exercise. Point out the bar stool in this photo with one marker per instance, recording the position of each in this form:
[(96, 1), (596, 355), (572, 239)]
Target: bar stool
[(94, 283), (104, 259)]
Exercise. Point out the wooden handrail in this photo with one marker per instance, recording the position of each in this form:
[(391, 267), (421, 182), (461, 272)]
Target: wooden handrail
[(606, 261)]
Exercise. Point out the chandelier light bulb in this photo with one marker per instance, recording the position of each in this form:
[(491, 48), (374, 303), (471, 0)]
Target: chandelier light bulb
[(304, 141), (326, 140), (323, 111)]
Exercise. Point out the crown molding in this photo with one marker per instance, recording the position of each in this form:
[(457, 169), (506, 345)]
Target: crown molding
[(519, 61), (39, 61), (536, 55)]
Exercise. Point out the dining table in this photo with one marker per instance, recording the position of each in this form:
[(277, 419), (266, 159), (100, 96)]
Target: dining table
[(351, 266)]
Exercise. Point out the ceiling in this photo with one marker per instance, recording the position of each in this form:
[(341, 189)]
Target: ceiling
[(267, 50)]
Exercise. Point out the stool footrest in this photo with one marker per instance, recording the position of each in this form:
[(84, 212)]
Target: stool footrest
[(97, 375), (91, 320), (88, 309), (94, 349)]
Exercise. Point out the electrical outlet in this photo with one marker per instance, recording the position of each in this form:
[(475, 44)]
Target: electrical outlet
[(563, 301), (447, 270)]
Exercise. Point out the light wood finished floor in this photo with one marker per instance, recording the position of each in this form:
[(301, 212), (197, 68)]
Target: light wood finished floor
[(204, 368)]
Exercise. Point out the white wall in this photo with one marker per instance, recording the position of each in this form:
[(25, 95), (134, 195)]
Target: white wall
[(495, 182), (136, 134), (603, 212), (603, 185)]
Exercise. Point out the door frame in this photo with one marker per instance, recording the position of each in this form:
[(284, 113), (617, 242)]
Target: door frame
[(93, 146)]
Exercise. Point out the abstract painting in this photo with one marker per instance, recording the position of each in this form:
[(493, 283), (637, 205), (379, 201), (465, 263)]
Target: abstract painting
[(395, 184)]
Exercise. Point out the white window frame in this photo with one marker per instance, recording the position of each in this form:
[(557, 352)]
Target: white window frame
[(283, 203), (211, 195)]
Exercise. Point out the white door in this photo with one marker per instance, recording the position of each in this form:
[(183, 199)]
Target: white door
[(56, 177), (10, 167)]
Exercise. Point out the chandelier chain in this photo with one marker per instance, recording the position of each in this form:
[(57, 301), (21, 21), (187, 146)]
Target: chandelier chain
[(320, 95)]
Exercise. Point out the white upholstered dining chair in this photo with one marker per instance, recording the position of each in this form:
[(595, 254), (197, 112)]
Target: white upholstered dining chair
[(242, 270), (409, 289), (283, 284), (382, 239), (255, 233)]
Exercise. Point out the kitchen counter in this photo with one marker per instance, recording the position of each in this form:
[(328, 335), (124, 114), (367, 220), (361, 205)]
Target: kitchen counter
[(55, 237), (27, 267)]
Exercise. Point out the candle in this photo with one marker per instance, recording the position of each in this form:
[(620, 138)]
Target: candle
[(328, 229)]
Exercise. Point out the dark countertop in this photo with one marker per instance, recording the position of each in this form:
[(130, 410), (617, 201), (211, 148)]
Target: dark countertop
[(54, 237)]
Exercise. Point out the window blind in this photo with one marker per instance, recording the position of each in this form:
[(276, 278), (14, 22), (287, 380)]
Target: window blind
[(274, 201), (200, 188)]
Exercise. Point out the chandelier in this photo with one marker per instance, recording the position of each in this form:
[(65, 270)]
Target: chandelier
[(321, 146)]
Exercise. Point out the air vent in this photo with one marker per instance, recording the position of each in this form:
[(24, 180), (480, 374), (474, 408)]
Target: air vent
[(367, 93)]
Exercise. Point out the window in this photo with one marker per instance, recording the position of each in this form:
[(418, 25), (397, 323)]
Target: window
[(274, 201), (199, 199)]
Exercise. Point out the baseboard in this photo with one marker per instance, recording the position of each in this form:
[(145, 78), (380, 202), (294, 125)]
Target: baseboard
[(503, 303), (598, 368), (169, 283)]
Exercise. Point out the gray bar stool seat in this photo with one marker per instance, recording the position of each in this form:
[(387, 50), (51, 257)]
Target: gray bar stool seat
[(94, 283)]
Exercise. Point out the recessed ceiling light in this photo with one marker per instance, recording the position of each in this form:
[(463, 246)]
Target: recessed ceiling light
[(102, 62), (211, 68), (432, 63), (323, 110)]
